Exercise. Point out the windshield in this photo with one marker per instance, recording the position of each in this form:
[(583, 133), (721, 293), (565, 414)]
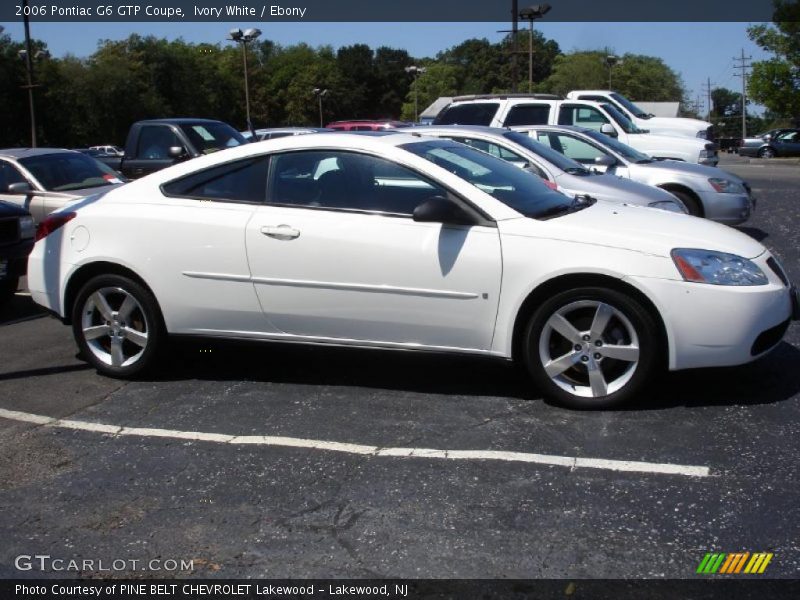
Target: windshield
[(555, 158), (623, 121), (64, 171), (210, 137), (630, 106), (624, 150), (521, 190)]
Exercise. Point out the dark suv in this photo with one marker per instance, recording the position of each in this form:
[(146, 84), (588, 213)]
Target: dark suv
[(17, 234)]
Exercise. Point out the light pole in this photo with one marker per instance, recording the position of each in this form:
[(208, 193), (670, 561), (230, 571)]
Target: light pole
[(29, 69), (319, 93), (416, 72), (611, 61), (243, 37), (537, 11)]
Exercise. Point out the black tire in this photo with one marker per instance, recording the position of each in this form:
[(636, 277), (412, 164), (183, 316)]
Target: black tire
[(689, 201), (124, 329), (7, 290), (580, 306), (766, 152)]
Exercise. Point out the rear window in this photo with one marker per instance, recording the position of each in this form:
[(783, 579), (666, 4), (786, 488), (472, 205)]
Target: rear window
[(473, 113), (528, 114)]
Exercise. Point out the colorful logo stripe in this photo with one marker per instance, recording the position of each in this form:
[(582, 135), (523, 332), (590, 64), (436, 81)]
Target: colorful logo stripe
[(734, 563)]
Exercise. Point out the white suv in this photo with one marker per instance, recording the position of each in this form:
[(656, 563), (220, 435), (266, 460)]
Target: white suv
[(513, 110)]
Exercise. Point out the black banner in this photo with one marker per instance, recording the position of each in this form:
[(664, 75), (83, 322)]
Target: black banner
[(414, 589), (264, 11)]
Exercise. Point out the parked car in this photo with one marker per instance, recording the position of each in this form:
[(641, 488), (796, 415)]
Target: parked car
[(780, 142), (111, 160), (42, 180), (16, 242), (644, 120), (109, 149), (271, 133), (407, 242), (705, 191), (158, 143), (513, 110), (367, 125), (558, 171)]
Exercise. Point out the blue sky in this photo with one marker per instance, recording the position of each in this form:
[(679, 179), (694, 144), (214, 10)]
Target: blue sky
[(694, 50)]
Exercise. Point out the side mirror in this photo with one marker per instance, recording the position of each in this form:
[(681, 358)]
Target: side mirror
[(176, 152), (20, 188), (442, 210), (605, 161), (608, 129)]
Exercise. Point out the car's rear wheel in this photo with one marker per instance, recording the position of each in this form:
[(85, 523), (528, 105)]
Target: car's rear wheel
[(117, 325), (766, 152), (591, 347), (7, 289)]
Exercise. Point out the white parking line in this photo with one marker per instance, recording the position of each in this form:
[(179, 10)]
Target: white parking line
[(571, 462)]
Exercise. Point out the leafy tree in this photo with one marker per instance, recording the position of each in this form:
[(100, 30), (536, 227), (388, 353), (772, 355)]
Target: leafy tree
[(437, 80), (775, 83), (643, 78)]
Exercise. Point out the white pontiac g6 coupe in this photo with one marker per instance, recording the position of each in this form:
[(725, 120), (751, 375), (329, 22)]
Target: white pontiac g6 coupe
[(406, 242)]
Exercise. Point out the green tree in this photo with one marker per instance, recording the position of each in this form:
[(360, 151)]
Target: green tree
[(775, 83), (437, 80)]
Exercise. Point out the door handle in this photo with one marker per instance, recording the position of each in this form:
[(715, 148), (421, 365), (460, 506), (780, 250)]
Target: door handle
[(281, 232)]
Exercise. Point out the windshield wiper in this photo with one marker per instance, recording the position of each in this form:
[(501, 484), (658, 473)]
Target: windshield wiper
[(577, 171), (644, 161), (578, 203)]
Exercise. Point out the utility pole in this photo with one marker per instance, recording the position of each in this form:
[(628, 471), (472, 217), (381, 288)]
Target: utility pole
[(514, 17), (743, 66), (707, 90), (29, 70)]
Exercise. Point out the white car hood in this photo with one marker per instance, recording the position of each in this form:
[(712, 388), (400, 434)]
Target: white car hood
[(639, 229), (692, 169), (676, 124)]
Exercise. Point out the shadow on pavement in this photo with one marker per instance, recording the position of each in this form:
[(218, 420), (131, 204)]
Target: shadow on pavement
[(19, 309)]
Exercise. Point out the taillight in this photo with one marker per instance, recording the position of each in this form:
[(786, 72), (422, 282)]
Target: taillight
[(53, 222), (551, 184)]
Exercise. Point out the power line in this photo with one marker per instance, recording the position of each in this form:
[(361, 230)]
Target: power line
[(743, 66)]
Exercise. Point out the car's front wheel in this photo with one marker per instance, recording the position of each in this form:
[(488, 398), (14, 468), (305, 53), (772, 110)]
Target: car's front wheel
[(117, 325), (766, 152), (591, 347)]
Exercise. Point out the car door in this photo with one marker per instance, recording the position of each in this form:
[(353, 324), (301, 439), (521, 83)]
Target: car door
[(788, 144), (336, 255), (34, 203)]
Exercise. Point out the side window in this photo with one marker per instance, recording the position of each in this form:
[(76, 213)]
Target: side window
[(495, 150), (347, 180), (528, 114), (789, 136), (470, 113), (584, 116), (155, 142), (241, 181), (576, 149), (9, 174)]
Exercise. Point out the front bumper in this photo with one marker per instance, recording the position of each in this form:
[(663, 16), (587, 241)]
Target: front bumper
[(718, 326), (730, 209), (14, 260)]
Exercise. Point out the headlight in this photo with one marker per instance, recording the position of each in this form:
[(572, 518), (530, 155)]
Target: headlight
[(716, 268), (668, 205), (26, 228), (702, 134), (726, 186)]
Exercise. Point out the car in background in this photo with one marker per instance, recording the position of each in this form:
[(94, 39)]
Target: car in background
[(109, 149), (42, 180), (17, 232), (270, 133), (644, 120), (111, 160), (705, 191), (516, 110), (778, 142), (558, 171), (407, 242), (367, 125)]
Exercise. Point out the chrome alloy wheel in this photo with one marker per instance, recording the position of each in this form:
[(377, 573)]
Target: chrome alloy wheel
[(114, 326), (589, 348)]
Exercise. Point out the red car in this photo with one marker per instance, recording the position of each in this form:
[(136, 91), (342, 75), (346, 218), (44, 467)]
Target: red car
[(367, 125)]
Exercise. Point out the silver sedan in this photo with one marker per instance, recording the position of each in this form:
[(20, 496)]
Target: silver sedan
[(705, 191), (558, 171)]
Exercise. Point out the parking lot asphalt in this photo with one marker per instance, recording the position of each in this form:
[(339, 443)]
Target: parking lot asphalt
[(535, 500)]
